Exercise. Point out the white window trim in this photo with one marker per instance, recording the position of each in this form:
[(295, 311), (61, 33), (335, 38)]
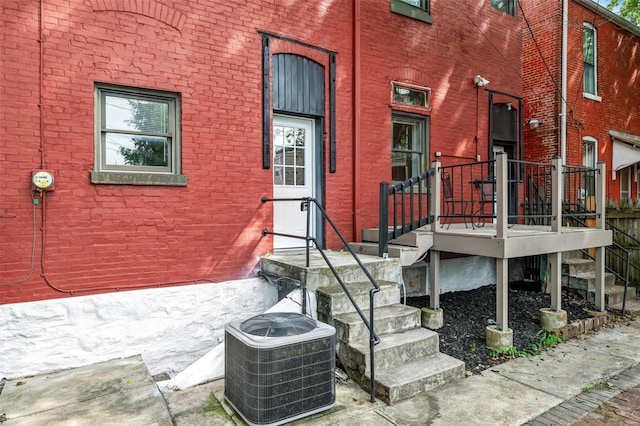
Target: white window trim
[(628, 172), (592, 96), (103, 174), (594, 141)]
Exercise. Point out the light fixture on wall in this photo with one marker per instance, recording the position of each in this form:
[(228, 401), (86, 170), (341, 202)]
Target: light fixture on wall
[(480, 81), (534, 123)]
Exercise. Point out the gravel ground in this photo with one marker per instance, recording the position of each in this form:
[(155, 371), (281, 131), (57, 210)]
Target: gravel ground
[(467, 313)]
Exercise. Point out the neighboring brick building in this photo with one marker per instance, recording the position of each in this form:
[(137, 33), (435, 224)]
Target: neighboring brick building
[(602, 89), (158, 122)]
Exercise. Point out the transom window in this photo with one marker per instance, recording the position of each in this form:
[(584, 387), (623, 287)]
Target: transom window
[(507, 6), (410, 96), (590, 59), (137, 131), (409, 146)]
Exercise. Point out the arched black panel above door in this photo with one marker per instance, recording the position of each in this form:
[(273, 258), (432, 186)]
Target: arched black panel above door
[(298, 85)]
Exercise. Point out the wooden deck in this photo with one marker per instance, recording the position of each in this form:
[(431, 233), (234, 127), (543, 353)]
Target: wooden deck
[(518, 241)]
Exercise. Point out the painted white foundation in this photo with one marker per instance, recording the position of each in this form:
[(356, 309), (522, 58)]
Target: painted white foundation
[(460, 274), (170, 327), (211, 365)]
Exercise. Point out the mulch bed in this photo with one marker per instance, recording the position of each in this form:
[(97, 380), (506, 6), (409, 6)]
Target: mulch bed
[(467, 314)]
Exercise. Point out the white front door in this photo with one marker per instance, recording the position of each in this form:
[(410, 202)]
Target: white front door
[(293, 160)]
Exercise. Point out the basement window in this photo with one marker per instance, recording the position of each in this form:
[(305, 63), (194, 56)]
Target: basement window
[(137, 137)]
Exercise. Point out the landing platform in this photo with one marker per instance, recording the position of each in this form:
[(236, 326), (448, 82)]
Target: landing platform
[(519, 241)]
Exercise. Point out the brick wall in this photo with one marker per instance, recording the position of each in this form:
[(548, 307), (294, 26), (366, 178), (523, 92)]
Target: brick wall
[(101, 238), (618, 58)]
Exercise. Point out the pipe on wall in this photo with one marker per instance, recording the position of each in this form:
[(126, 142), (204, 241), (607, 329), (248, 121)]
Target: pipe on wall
[(563, 71), (356, 120)]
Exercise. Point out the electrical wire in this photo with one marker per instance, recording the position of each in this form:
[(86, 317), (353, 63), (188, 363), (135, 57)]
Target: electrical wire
[(496, 48), (33, 246), (571, 111)]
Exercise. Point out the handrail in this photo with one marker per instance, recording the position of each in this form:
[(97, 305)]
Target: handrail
[(418, 211), (626, 258), (373, 337)]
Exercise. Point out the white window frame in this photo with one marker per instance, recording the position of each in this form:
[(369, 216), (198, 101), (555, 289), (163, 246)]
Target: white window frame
[(104, 173), (593, 96), (625, 180), (590, 160)]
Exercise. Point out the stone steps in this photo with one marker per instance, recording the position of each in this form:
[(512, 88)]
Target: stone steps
[(332, 300), (393, 350), (396, 384), (387, 319), (407, 358), (407, 255), (579, 274)]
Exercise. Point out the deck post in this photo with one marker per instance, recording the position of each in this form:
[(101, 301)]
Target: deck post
[(600, 224), (556, 280), (502, 195), (556, 195), (435, 196), (502, 294), (434, 279), (500, 334)]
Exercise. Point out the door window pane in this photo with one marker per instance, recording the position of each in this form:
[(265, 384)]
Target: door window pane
[(289, 156)]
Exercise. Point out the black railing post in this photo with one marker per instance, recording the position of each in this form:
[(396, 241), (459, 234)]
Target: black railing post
[(372, 343), (383, 220)]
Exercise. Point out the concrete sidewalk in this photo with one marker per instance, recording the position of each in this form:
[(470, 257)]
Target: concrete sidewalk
[(558, 387)]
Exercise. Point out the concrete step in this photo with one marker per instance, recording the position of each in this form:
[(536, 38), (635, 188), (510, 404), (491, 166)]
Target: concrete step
[(332, 300), (585, 281), (632, 307), (393, 350), (387, 319), (577, 266), (573, 254), (422, 375), (293, 264), (421, 238), (406, 254), (613, 295)]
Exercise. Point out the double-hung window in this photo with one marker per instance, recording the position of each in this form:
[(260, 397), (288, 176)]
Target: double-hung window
[(137, 137), (590, 60), (507, 6), (416, 9), (409, 146)]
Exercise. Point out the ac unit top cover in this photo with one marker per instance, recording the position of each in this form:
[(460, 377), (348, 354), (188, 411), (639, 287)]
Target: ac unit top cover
[(278, 328)]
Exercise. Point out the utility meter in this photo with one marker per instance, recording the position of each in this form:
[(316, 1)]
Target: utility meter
[(42, 180)]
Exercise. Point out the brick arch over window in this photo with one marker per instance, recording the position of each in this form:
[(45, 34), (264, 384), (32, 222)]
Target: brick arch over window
[(408, 75), (149, 8)]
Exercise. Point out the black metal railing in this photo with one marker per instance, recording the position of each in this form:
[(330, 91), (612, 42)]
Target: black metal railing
[(404, 206), (616, 254), (306, 205)]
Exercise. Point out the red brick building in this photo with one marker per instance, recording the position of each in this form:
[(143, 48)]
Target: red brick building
[(163, 124), (600, 101)]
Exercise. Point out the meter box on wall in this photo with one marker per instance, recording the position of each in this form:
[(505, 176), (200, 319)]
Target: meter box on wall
[(42, 180)]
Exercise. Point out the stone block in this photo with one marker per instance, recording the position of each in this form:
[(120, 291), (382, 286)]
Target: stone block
[(551, 320), (432, 318), (497, 338)]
